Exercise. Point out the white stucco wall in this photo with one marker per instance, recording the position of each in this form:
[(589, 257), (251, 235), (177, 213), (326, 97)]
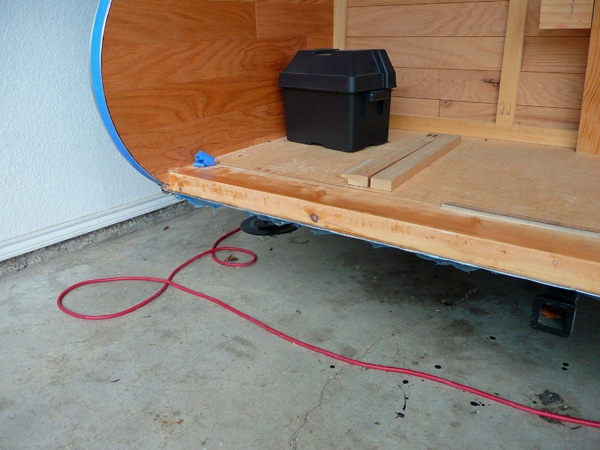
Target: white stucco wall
[(58, 164)]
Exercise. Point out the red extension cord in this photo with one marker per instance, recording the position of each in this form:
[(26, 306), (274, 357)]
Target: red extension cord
[(212, 251)]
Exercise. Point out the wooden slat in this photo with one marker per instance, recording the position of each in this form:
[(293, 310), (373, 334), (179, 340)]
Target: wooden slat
[(554, 90), (398, 173), (360, 176), (524, 220), (155, 21), (465, 53), (516, 133), (479, 86), (415, 106), (280, 19), (511, 62), (450, 19), (589, 127), (562, 14), (465, 110), (340, 23), (556, 54), (567, 119)]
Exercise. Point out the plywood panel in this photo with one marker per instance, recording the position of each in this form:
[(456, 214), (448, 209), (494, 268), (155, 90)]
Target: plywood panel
[(185, 75), (466, 53), (176, 145), (153, 66), (556, 54), (451, 19), (156, 21), (567, 119), (460, 85), (145, 109), (485, 112), (276, 19), (414, 106), (556, 90)]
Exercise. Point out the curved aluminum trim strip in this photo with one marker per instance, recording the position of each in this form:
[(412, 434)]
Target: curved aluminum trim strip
[(98, 87)]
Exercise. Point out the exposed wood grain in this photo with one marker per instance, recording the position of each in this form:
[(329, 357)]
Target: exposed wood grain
[(362, 3), (534, 252), (465, 110), (318, 41), (415, 106), (449, 19), (555, 90), (390, 178), (137, 22), (556, 54), (567, 119), (340, 23), (589, 127), (566, 14), (516, 133), (515, 218), (293, 19), (460, 85), (360, 176), (511, 62), (129, 68), (466, 53), (144, 109), (533, 24), (173, 146)]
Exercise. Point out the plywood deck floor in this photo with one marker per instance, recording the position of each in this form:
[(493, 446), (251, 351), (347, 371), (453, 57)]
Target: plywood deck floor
[(483, 200)]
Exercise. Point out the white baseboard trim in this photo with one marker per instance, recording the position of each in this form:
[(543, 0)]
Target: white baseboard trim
[(68, 230)]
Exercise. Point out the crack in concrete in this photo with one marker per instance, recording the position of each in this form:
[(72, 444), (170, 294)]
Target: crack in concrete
[(296, 434)]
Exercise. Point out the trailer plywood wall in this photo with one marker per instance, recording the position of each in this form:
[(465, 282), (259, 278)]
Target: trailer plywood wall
[(461, 66), (189, 75)]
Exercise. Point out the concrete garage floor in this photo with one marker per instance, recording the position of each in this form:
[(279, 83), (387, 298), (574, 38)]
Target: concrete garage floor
[(182, 373)]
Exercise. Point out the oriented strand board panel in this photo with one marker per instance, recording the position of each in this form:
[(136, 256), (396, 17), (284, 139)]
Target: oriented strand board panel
[(563, 14), (187, 75)]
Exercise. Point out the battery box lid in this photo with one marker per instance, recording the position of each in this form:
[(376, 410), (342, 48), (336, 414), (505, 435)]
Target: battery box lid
[(345, 71)]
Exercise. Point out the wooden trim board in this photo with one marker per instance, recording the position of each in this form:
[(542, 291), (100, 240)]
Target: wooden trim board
[(514, 47), (396, 174), (361, 175), (589, 125)]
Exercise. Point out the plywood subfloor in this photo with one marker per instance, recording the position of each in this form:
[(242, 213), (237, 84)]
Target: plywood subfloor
[(551, 185), (527, 210)]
